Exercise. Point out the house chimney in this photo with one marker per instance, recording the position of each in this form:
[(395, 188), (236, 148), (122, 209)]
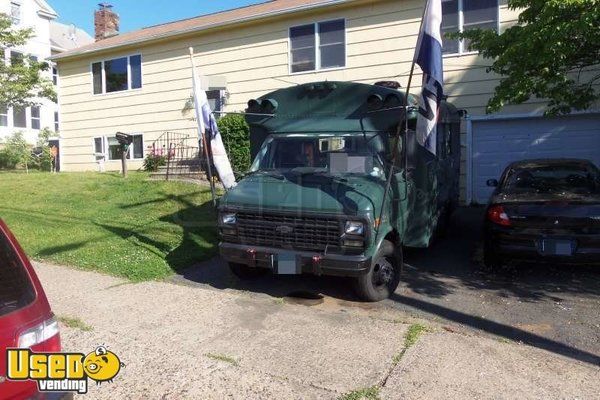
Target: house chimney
[(106, 22)]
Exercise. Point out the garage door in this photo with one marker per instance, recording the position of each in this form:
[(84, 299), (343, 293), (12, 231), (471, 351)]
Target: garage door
[(497, 143)]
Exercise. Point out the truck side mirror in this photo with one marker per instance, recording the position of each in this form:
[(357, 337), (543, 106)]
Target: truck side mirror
[(492, 182)]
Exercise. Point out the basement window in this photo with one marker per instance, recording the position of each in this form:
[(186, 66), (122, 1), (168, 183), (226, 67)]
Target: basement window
[(108, 147), (117, 75), (318, 46)]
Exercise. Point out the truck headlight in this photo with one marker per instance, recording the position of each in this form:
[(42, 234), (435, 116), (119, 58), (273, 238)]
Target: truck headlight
[(355, 228), (228, 219)]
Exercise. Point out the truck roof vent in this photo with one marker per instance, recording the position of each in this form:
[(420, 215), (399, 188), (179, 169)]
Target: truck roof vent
[(389, 84)]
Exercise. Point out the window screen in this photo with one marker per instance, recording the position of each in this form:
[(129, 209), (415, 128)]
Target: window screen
[(138, 146), (19, 117), (3, 115), (97, 77), (136, 71), (332, 45), (116, 75), (35, 117), (462, 15), (302, 39)]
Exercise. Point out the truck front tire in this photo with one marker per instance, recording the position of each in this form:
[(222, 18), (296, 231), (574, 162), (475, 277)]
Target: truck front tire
[(383, 277)]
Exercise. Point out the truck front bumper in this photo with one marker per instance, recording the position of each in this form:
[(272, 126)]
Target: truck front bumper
[(308, 262)]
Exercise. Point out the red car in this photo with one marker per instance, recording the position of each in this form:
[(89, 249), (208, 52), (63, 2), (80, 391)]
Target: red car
[(26, 320)]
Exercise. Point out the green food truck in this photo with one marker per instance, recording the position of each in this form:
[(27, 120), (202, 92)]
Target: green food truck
[(316, 198)]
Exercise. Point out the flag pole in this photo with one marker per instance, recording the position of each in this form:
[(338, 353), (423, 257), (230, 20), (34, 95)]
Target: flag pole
[(388, 184), (202, 129)]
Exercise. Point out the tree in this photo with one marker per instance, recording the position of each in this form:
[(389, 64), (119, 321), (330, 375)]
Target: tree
[(21, 81), (552, 53)]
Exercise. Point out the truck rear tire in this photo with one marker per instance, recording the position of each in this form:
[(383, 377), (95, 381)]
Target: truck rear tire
[(383, 277), (245, 272)]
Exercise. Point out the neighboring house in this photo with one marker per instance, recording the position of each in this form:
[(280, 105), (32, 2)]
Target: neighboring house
[(50, 38), (139, 82)]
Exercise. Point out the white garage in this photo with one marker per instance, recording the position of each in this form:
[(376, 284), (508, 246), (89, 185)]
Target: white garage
[(496, 141)]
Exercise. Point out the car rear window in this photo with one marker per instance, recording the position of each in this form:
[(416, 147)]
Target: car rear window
[(574, 179), (16, 290)]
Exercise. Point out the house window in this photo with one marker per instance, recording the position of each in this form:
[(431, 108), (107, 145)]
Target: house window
[(108, 147), (35, 117), (3, 115), (19, 117), (56, 122), (15, 12), (55, 76), (138, 147), (117, 75), (462, 15), (318, 46)]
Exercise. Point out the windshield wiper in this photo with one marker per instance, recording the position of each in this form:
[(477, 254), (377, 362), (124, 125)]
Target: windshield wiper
[(270, 173)]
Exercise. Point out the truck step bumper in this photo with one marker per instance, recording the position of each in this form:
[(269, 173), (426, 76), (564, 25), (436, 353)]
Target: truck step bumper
[(310, 263)]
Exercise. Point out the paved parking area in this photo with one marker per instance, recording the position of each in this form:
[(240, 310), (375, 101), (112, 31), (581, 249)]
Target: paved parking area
[(197, 342), (552, 307)]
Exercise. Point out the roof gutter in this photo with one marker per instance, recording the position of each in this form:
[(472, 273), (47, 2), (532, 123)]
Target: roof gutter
[(203, 28)]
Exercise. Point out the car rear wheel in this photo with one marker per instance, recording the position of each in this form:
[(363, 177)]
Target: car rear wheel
[(245, 272), (384, 275)]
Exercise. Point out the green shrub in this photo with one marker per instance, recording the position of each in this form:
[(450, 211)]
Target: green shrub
[(236, 138), (153, 161), (16, 153), (8, 159)]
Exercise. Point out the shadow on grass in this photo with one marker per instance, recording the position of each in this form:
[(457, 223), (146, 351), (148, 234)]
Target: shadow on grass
[(51, 251), (199, 232)]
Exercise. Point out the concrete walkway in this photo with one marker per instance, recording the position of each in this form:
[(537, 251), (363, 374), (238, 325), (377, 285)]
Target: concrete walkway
[(182, 342)]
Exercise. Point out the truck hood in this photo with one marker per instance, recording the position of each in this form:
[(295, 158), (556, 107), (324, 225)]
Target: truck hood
[(350, 195)]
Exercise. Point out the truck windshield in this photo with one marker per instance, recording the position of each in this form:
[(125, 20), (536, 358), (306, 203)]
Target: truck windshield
[(312, 154)]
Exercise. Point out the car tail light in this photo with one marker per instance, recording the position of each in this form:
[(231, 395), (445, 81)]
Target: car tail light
[(43, 337), (497, 215)]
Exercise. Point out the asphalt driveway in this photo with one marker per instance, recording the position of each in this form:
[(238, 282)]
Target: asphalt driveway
[(552, 307)]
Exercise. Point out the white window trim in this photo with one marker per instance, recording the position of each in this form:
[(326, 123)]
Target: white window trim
[(461, 18), (105, 155), (103, 75), (317, 45)]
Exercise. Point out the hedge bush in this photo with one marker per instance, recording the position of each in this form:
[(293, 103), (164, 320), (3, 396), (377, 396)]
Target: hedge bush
[(236, 138)]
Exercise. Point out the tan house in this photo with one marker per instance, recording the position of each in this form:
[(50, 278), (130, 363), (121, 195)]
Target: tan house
[(139, 82)]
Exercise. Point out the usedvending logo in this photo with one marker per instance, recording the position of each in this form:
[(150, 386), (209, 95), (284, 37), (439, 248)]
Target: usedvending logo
[(63, 372)]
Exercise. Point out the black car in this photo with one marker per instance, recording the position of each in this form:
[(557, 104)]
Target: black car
[(544, 210)]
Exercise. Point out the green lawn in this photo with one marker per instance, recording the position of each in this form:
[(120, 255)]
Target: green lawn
[(130, 227)]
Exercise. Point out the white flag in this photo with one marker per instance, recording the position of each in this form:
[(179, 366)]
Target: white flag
[(206, 119)]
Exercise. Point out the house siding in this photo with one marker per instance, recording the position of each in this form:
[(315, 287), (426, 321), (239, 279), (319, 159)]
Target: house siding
[(254, 60)]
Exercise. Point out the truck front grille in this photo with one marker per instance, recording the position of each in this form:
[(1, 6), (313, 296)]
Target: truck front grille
[(287, 231)]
